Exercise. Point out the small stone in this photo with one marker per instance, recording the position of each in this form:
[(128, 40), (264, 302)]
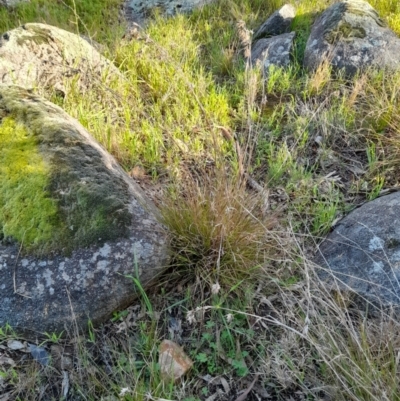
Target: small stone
[(174, 363), (15, 345), (39, 354), (318, 139)]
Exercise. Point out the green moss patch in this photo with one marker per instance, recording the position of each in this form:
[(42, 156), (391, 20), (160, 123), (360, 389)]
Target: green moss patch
[(27, 212), (44, 205)]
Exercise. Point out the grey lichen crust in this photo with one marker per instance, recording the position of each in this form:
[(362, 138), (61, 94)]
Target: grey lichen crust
[(39, 55), (275, 51), (351, 36), (55, 294), (362, 254), (139, 10), (347, 20)]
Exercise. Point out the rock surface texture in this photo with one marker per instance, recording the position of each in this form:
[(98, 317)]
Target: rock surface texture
[(273, 51), (351, 36), (139, 10), (277, 24), (50, 58), (101, 228), (12, 3), (363, 252)]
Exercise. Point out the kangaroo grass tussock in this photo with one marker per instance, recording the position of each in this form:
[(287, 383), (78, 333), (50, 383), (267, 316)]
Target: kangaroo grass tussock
[(218, 230)]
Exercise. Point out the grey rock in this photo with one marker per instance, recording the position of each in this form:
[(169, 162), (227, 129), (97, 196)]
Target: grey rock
[(43, 56), (278, 23), (273, 51), (39, 354), (362, 254), (139, 10), (12, 3), (352, 37), (56, 290)]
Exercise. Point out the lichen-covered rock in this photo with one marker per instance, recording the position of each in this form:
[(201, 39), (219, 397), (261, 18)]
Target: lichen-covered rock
[(12, 3), (273, 51), (73, 225), (351, 36), (362, 254), (277, 24), (43, 56), (139, 10)]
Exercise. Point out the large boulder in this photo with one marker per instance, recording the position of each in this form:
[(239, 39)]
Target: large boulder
[(12, 3), (139, 10), (278, 23), (362, 254), (352, 37), (73, 225), (43, 56)]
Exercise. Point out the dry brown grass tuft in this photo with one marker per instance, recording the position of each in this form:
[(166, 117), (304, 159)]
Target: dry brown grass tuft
[(219, 230)]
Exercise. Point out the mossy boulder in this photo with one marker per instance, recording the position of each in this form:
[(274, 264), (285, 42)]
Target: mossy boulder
[(42, 56), (351, 36), (73, 225)]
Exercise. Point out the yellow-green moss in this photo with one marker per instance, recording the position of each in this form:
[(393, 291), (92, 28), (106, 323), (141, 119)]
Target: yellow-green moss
[(56, 192), (27, 212)]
